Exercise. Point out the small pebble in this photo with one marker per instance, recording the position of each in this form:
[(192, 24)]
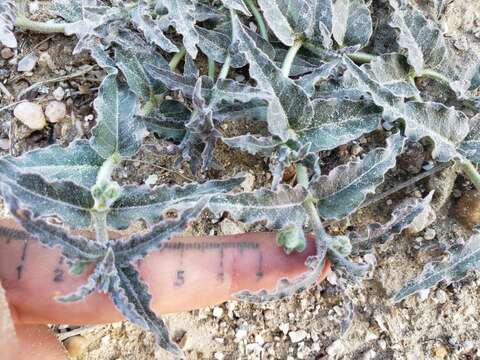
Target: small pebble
[(240, 334), (59, 93), (76, 345), (229, 227), (219, 356), (336, 348), (247, 184), (5, 144), (259, 340), (151, 180), (217, 312), (7, 53), (356, 150), (440, 297), (440, 351), (284, 328), (27, 63), (55, 111), (31, 115), (297, 336), (429, 234)]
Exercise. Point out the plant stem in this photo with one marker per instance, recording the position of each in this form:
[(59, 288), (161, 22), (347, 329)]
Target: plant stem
[(99, 219), (177, 58), (432, 74), (211, 69), (362, 58), (226, 66), (310, 208), (106, 170), (288, 61), (39, 27), (472, 173), (258, 18)]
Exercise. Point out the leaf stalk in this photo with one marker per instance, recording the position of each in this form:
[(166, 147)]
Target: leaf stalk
[(292, 52), (40, 27), (177, 58), (258, 18), (470, 170)]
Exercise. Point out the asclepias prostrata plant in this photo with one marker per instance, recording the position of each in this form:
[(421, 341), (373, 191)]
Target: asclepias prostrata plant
[(321, 74)]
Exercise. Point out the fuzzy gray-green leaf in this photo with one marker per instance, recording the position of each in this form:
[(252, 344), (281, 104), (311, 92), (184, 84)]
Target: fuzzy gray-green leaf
[(130, 295), (75, 248), (181, 15), (279, 208), (7, 22), (288, 19), (462, 260), (338, 122), (352, 23), (78, 162), (141, 202), (117, 129), (168, 120), (289, 105), (420, 38), (132, 62), (402, 217), (238, 5), (344, 189), (446, 127), (65, 199)]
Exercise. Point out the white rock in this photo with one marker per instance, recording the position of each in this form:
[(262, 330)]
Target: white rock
[(383, 344), (55, 111), (217, 312), (423, 294), (429, 234), (440, 296), (31, 115), (27, 63), (219, 356), (336, 348), (297, 336), (259, 340), (229, 227), (59, 93), (284, 328), (4, 144), (151, 180), (422, 221), (247, 184), (332, 278), (240, 334)]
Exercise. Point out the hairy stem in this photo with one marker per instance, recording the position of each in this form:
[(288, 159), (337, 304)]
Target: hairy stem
[(39, 27), (361, 57), (288, 61), (258, 18), (99, 219), (211, 69), (106, 170), (226, 66), (470, 170), (432, 74), (177, 58), (310, 208)]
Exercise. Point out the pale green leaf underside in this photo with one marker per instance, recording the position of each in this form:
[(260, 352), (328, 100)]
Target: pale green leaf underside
[(117, 129), (345, 188)]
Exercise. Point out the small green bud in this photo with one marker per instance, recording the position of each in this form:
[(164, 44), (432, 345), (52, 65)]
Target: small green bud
[(342, 245), (292, 239)]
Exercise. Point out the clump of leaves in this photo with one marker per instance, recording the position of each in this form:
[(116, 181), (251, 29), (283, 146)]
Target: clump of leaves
[(317, 86)]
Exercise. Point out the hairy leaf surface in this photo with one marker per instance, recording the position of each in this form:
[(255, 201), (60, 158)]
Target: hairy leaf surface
[(288, 19), (168, 120), (237, 5), (446, 127), (345, 187), (279, 208), (117, 129), (338, 122), (462, 259), (402, 217), (289, 105), (141, 202), (352, 23), (65, 199), (78, 162), (421, 39), (7, 22), (75, 248), (131, 297)]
